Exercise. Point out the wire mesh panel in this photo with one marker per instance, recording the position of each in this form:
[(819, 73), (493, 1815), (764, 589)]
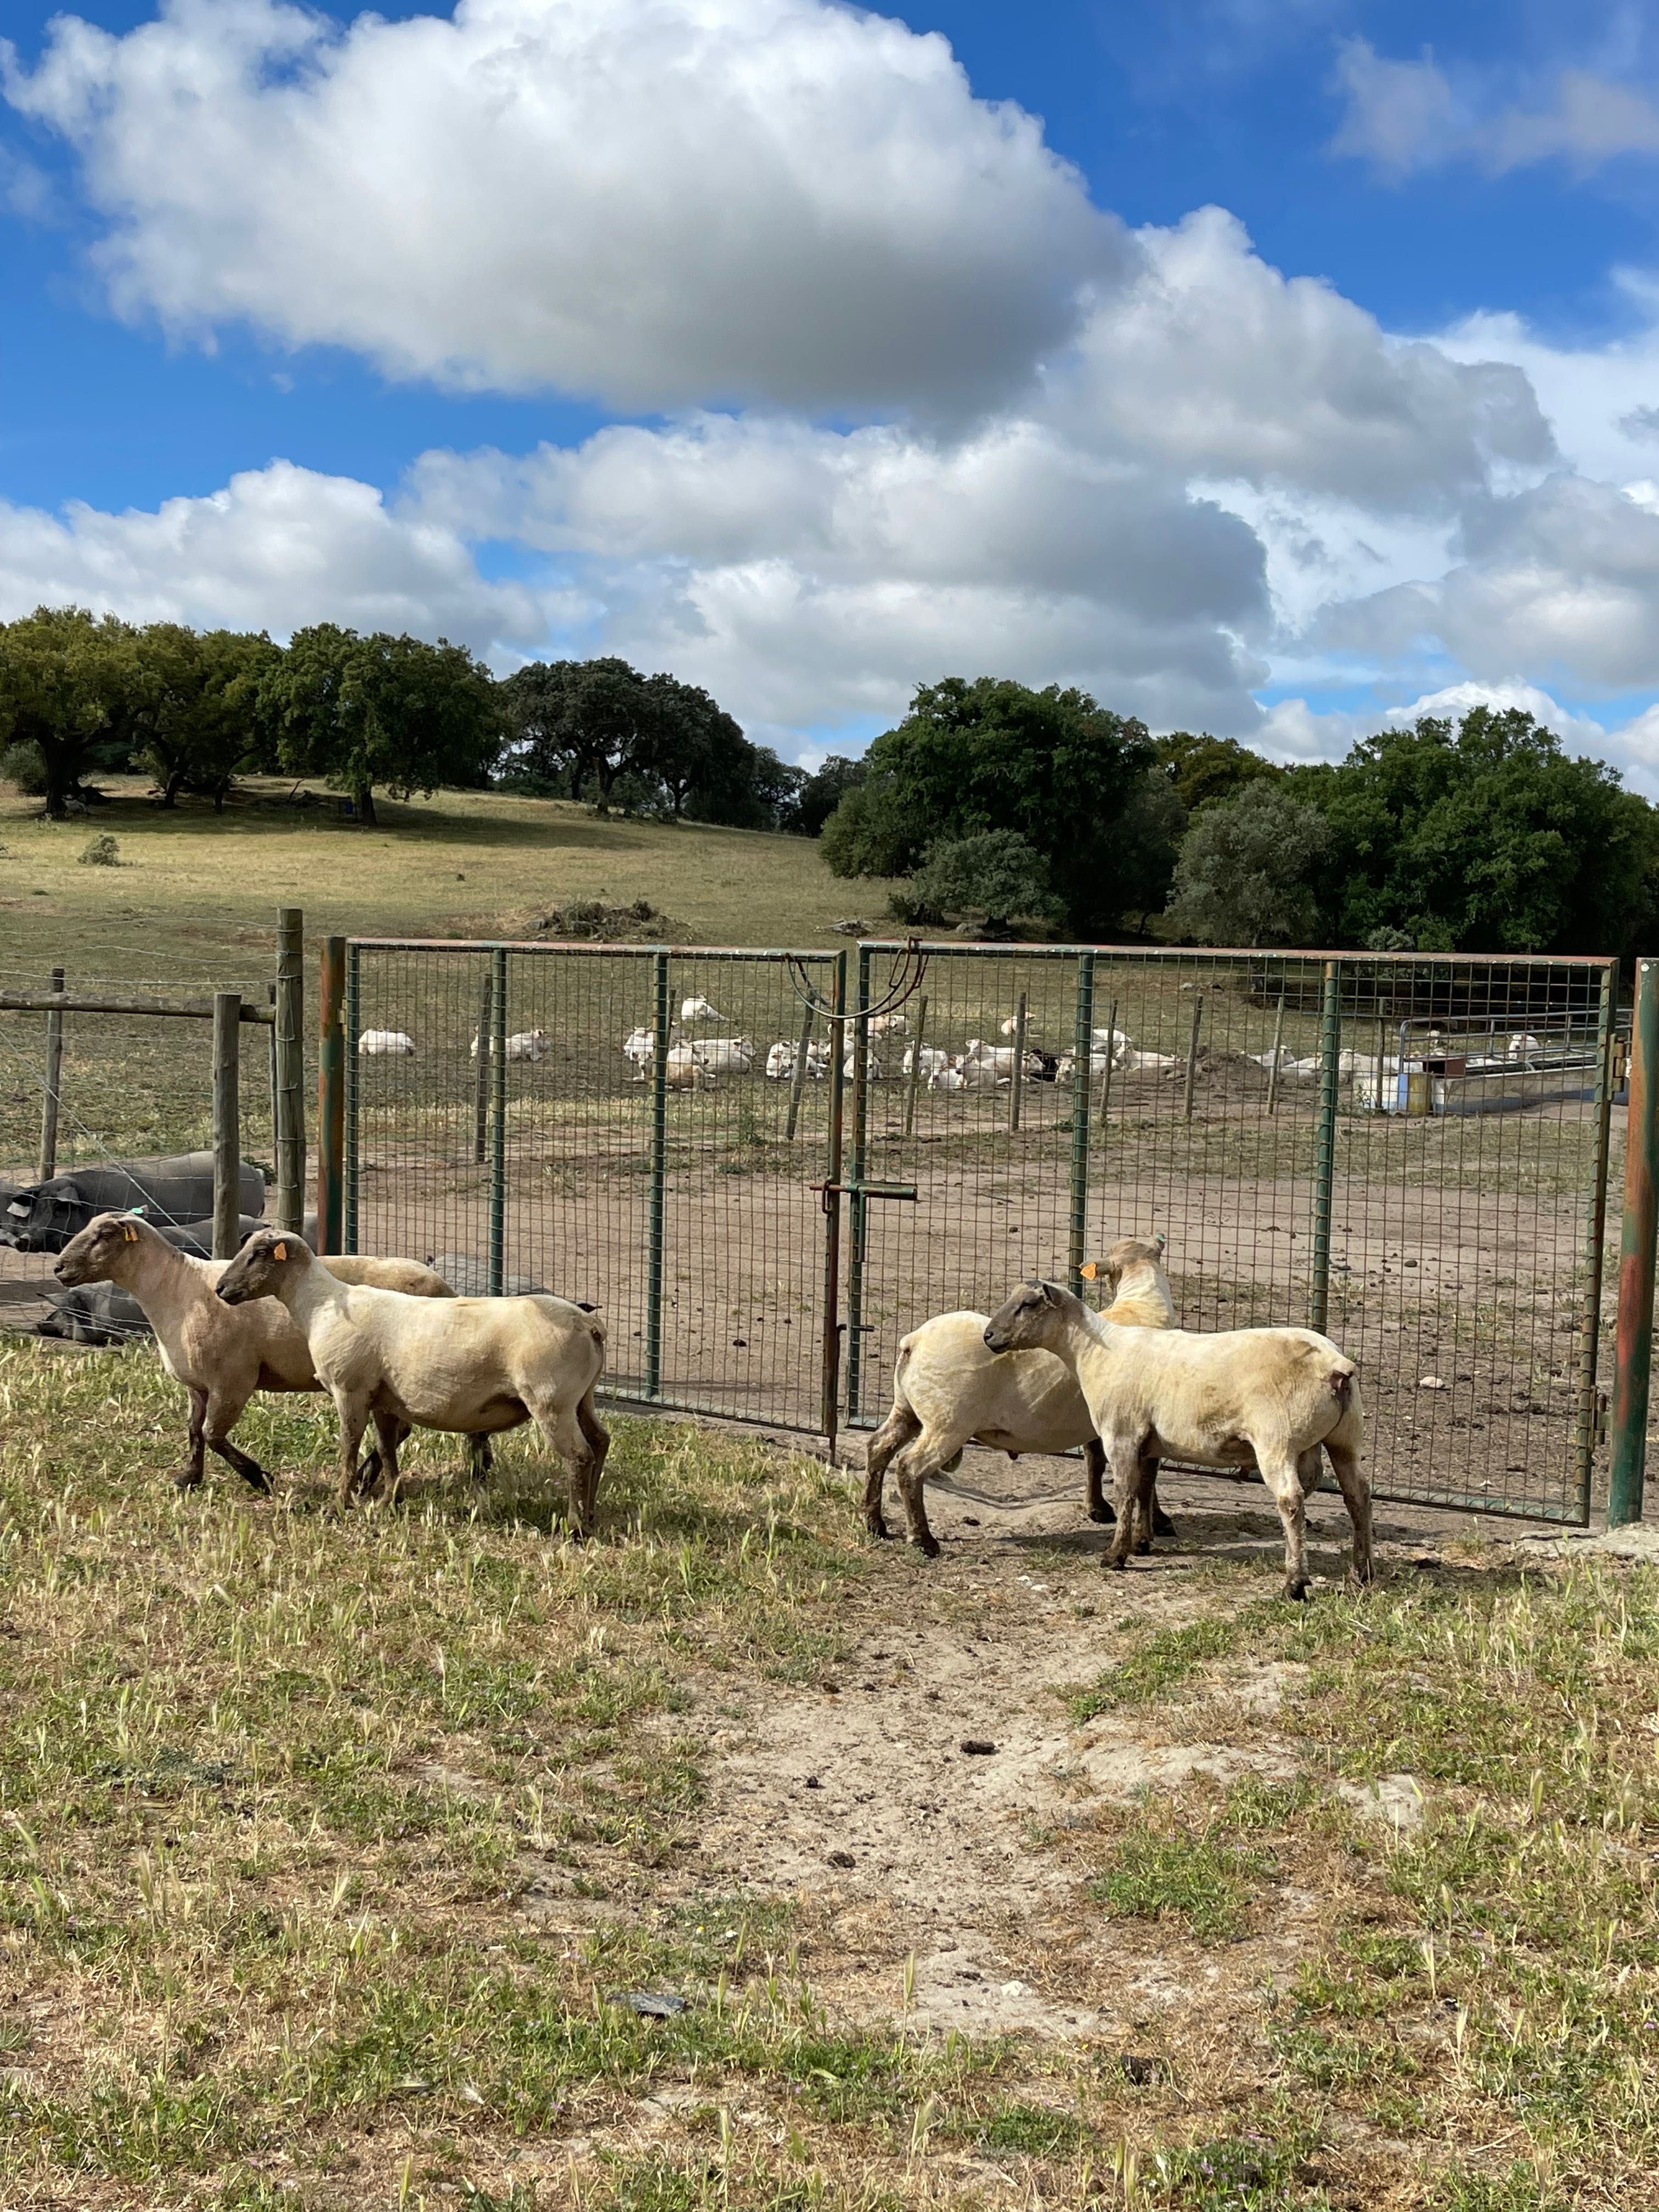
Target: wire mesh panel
[(631, 1133), (1408, 1151)]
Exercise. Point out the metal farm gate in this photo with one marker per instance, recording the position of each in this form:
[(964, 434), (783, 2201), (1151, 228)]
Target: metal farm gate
[(1408, 1151)]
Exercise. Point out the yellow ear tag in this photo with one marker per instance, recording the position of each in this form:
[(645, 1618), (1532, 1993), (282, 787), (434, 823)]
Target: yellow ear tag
[(279, 1251), (1089, 1270), (129, 1235)]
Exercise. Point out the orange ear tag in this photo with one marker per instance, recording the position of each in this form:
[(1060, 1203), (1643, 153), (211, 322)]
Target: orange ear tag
[(1089, 1270), (279, 1251)]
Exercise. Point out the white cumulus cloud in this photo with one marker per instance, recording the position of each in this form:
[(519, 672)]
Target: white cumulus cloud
[(656, 203)]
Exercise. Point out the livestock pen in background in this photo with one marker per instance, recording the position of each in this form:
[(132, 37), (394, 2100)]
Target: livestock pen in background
[(1409, 1150)]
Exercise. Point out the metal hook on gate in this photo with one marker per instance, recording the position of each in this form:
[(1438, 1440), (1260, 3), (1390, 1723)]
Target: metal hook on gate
[(905, 981)]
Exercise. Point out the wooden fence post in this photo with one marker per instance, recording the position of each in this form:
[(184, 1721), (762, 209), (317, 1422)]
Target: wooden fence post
[(331, 1098), (227, 1123)]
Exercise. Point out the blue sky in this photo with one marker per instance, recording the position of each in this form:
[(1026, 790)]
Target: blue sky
[(1271, 366)]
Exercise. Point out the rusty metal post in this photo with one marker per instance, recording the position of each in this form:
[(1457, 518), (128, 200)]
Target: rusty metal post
[(797, 1076), (859, 1209), (1111, 1049), (330, 1097), (1279, 1040), (227, 1123), (1192, 1052), (1017, 1087), (830, 1368), (54, 1079), (289, 1034), (915, 1066), (1589, 1344), (1330, 1045), (1082, 1037), (1636, 1257), (661, 1031)]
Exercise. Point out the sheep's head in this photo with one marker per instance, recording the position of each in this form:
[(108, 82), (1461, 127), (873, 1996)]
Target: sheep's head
[(271, 1260), (1025, 1320), (97, 1255), (1128, 1252)]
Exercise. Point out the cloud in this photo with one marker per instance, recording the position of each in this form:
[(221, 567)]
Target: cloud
[(277, 547), (1405, 116), (1294, 731), (654, 203)]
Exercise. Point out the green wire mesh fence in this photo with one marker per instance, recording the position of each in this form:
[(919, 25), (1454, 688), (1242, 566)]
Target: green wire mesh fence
[(767, 1168)]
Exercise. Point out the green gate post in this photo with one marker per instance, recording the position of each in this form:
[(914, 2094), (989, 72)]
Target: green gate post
[(330, 1095), (1083, 1038), (1636, 1257), (1595, 1244), (352, 1031), (658, 1179), (498, 1129), (860, 1211), (829, 1406), (1330, 1045)]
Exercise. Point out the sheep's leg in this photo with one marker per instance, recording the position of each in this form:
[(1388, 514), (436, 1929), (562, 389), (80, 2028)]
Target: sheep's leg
[(479, 1458), (189, 1477), (1094, 1473), (1357, 1496), (1124, 1453), (562, 1433), (1281, 1472), (899, 1431), (354, 1419), (391, 1432), (222, 1415), (912, 1468), (599, 1446)]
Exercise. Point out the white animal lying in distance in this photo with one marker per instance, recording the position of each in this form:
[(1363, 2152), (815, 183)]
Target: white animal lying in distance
[(372, 1043), (699, 1010), (933, 1058), (888, 1025), (1520, 1046), (781, 1061), (684, 1071), (526, 1045), (725, 1055), (640, 1048), (948, 1077)]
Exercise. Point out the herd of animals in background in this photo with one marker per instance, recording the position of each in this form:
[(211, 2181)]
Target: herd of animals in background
[(399, 1344)]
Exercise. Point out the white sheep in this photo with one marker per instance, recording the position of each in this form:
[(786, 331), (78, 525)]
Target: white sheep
[(932, 1057), (373, 1044), (525, 1044), (640, 1049), (949, 1390), (948, 1077), (781, 1061), (221, 1357), (1115, 1040), (699, 1010), (882, 1025), (1142, 1062), (1520, 1045), (724, 1055), (461, 1365), (1274, 1395)]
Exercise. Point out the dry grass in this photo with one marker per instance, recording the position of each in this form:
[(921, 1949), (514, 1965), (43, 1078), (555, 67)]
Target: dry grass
[(297, 1813)]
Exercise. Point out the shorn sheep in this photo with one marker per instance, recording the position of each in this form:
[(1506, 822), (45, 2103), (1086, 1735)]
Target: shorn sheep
[(526, 1044), (221, 1357), (949, 1390), (374, 1044), (461, 1364), (1274, 1395)]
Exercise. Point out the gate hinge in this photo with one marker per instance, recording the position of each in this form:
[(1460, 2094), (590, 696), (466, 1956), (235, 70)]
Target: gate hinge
[(906, 1191)]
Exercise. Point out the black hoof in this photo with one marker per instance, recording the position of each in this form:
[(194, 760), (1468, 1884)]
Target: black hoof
[(190, 1480), (256, 1478), (1162, 1524), (1104, 1515), (927, 1546), (1295, 1590), (877, 1526), (1117, 1562)]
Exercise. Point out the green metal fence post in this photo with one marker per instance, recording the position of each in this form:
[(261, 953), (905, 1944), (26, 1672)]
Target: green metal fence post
[(860, 1211), (1636, 1257), (1082, 1037), (658, 1179), (1596, 1243), (498, 1124), (331, 1096), (353, 1103), (1330, 1045), (830, 1402)]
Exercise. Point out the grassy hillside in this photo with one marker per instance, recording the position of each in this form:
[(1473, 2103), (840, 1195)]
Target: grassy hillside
[(197, 888)]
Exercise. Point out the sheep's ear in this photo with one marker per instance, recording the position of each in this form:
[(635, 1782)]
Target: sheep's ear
[(279, 1251), (129, 1234), (1050, 1295), (1160, 1240)]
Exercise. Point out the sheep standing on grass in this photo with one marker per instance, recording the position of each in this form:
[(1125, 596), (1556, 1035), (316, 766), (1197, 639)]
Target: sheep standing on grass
[(221, 1357), (461, 1365), (949, 1390), (1272, 1395)]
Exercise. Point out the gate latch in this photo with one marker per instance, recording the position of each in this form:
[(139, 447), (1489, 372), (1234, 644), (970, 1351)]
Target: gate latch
[(906, 1191)]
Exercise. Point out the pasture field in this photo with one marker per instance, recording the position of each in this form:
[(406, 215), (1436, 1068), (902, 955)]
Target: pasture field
[(326, 1842), (197, 892)]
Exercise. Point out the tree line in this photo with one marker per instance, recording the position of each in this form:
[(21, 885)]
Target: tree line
[(1001, 804), (81, 696), (994, 804)]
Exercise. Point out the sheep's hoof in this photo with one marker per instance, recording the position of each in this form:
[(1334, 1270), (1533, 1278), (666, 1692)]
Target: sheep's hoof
[(877, 1525), (188, 1478), (1296, 1587), (927, 1546), (256, 1478), (1162, 1524), (1104, 1515), (1117, 1561)]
